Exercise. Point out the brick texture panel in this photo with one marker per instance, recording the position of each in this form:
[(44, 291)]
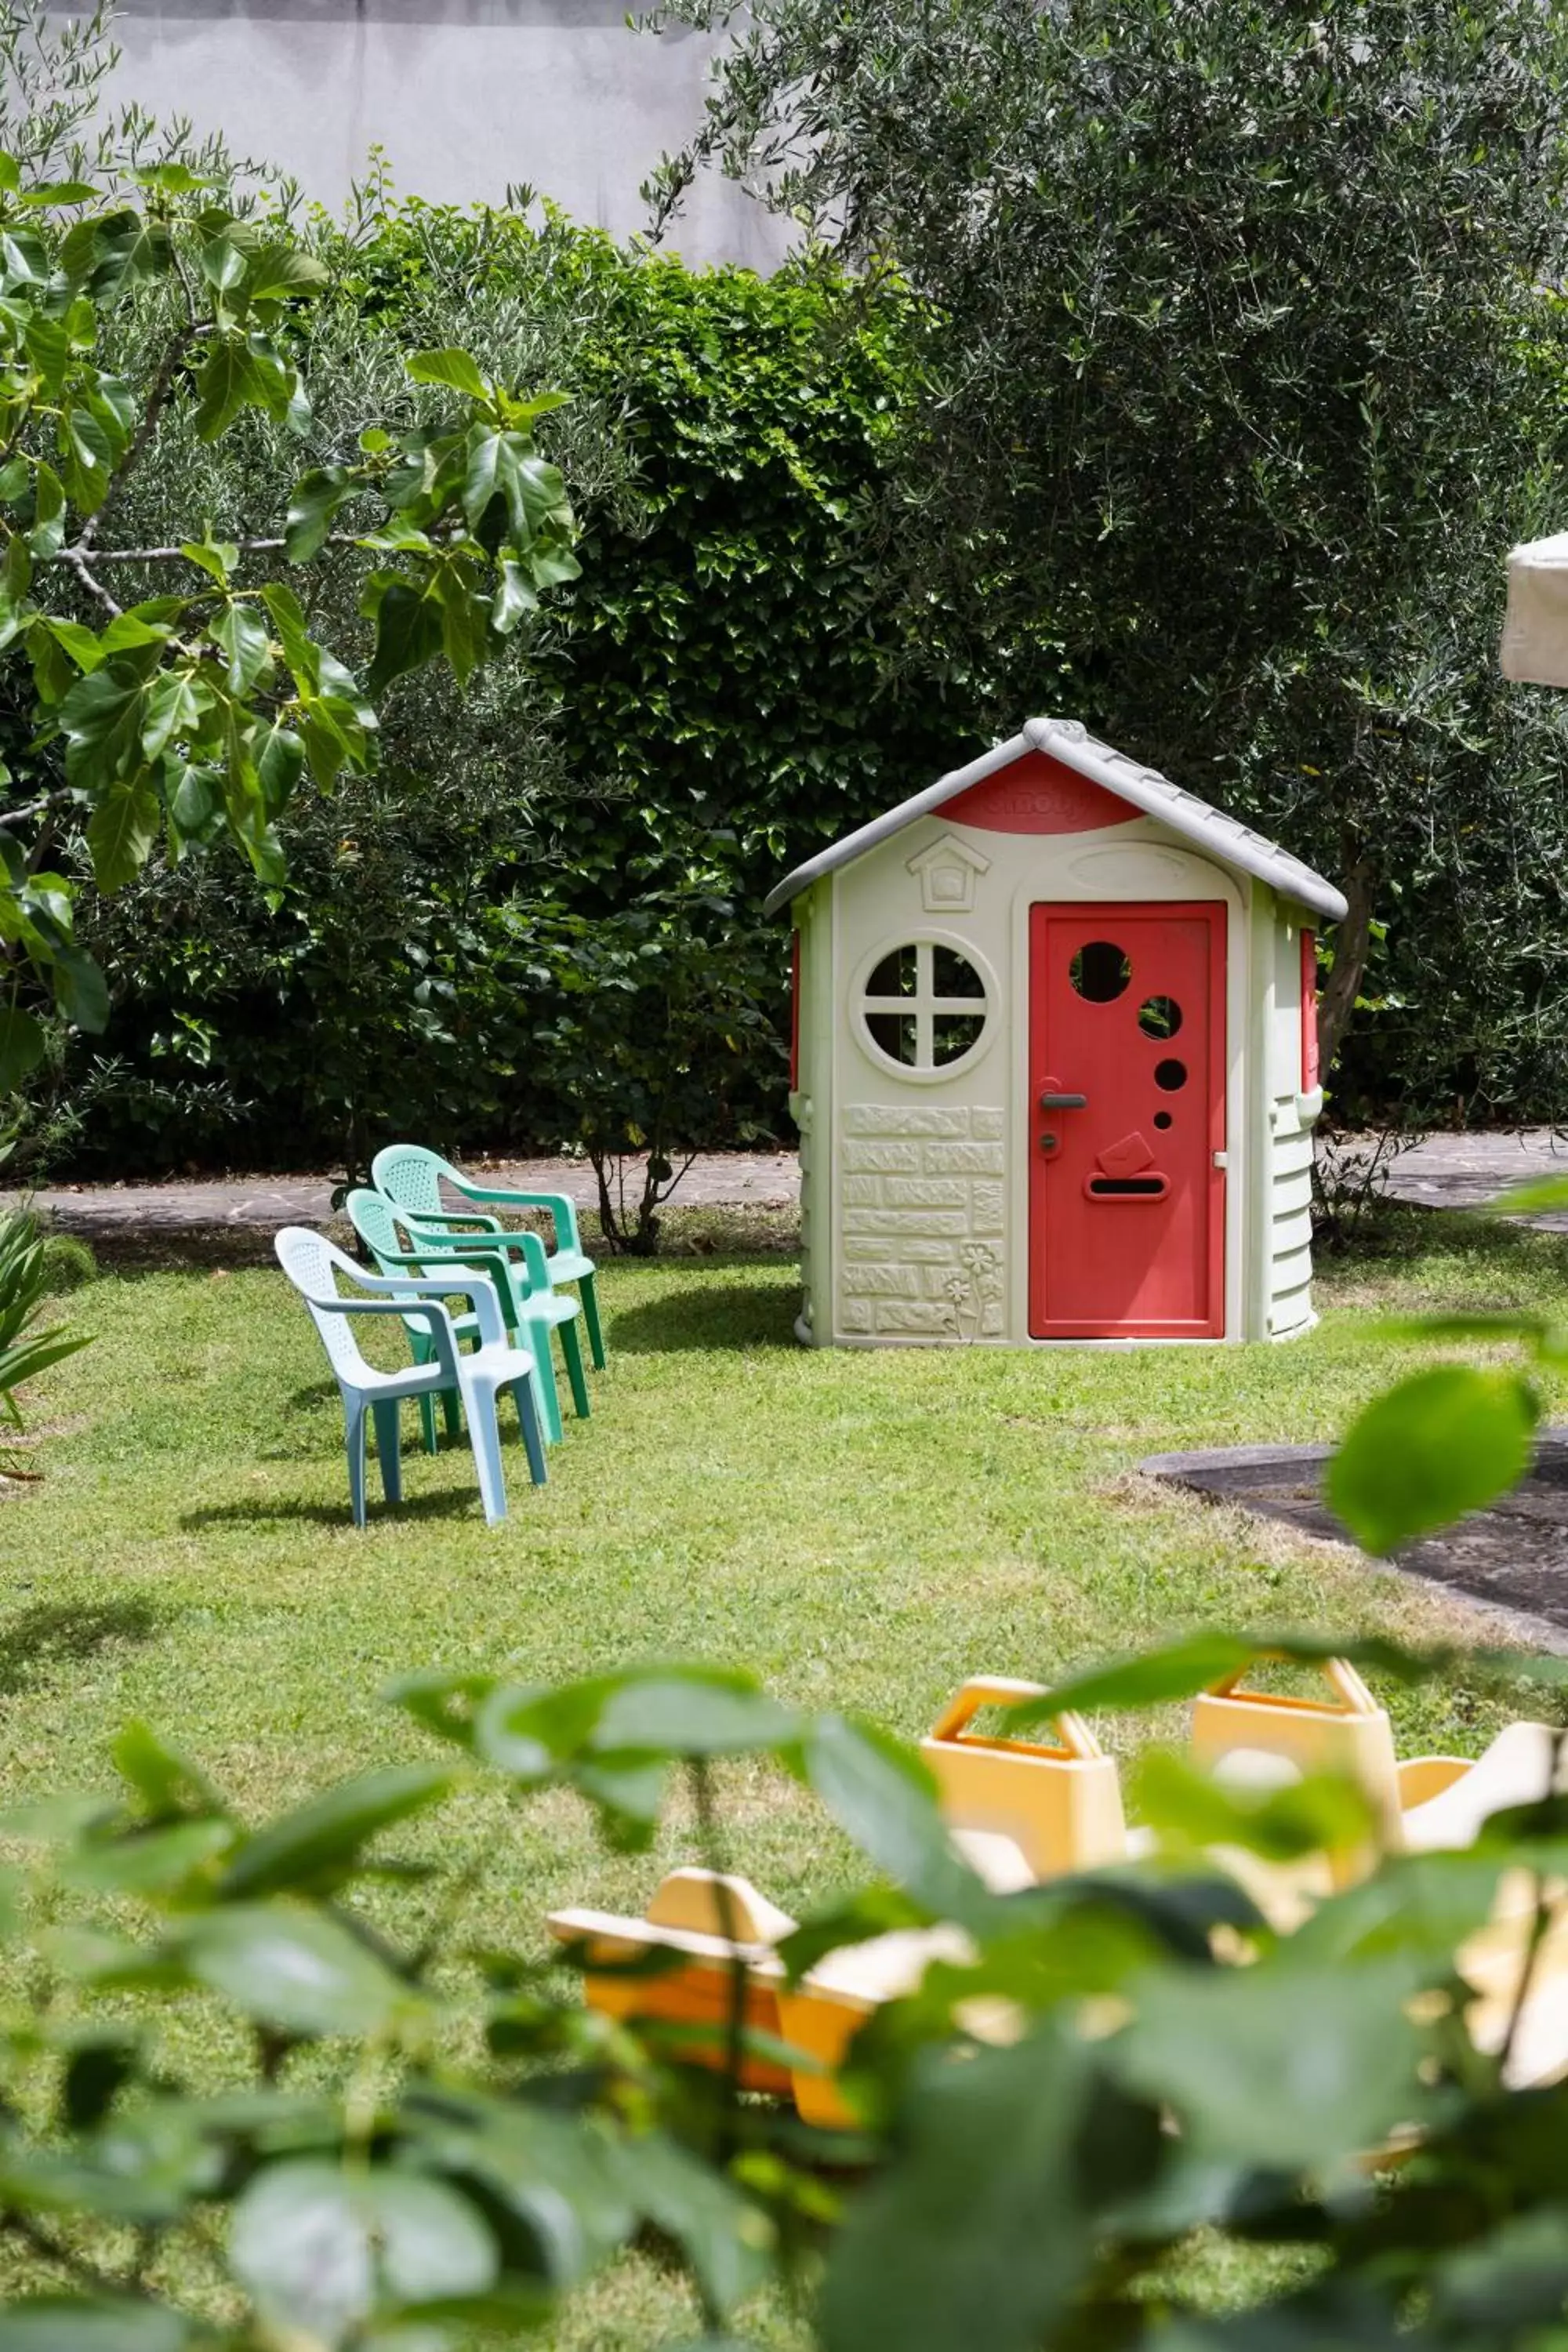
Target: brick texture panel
[(923, 1218)]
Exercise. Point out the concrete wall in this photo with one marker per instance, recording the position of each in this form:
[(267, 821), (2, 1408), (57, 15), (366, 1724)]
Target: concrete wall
[(466, 96)]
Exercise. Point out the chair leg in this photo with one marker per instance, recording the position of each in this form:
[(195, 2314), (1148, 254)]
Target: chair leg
[(354, 1436), (450, 1413), (544, 1374), (572, 1348), (484, 1434), (422, 1348), (588, 1289), (532, 1436), (388, 1447), (426, 1404)]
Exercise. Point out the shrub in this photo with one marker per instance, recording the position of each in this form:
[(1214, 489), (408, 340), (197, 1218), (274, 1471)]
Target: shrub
[(789, 617), (661, 1023), (26, 1350), (1083, 2081), (732, 687)]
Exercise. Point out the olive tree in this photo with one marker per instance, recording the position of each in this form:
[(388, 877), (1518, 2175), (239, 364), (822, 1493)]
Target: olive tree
[(1243, 357)]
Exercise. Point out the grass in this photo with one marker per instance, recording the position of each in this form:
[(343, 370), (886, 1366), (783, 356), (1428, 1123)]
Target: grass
[(862, 1528)]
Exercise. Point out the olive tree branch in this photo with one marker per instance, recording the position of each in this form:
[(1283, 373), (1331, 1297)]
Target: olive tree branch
[(32, 810), (177, 555), (77, 558)]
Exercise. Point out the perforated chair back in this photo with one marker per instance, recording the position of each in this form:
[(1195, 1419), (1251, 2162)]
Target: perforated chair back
[(374, 1220), (410, 1177), (312, 1264)]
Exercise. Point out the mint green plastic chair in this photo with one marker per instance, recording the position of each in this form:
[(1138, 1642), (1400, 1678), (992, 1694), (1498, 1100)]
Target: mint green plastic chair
[(387, 1235), (411, 1179), (316, 1268), (374, 1223)]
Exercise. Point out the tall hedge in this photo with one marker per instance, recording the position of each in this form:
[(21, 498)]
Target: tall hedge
[(733, 684), (742, 672)]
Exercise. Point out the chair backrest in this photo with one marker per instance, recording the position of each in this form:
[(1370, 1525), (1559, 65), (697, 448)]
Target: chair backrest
[(374, 1220), (312, 1264), (410, 1177)]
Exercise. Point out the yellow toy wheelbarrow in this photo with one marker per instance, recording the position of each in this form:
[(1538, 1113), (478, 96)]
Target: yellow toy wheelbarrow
[(1020, 1812), (711, 1926)]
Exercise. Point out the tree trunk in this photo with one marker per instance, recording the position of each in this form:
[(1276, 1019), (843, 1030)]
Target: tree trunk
[(1352, 944)]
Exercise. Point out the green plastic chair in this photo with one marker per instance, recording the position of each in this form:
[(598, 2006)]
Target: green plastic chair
[(374, 1222), (411, 1179), (532, 1310), (316, 1268)]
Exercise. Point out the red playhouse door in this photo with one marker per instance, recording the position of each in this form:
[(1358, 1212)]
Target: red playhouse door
[(1127, 1121)]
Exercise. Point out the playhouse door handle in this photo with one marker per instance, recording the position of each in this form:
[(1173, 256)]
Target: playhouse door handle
[(1063, 1102)]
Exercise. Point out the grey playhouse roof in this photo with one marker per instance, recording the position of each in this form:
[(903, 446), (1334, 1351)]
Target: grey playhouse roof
[(1065, 739)]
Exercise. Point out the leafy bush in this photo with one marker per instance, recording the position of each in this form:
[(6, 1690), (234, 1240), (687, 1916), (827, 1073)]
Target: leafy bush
[(661, 1021), (818, 568), (728, 692), (367, 2180), (68, 1263), (29, 1274)]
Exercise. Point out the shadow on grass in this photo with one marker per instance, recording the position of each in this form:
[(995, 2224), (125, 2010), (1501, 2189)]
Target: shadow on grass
[(1402, 1229), (445, 1503), (130, 1252), (52, 1633), (712, 1316), (131, 1249)]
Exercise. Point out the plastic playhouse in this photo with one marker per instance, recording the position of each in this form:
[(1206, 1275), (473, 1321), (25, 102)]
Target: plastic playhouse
[(1055, 1061)]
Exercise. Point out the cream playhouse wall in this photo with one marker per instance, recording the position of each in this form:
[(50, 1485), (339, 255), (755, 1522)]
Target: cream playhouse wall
[(915, 1183)]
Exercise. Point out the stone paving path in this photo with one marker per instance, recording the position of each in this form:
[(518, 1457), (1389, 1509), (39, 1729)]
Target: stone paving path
[(714, 1180), (1450, 1171), (1466, 1171)]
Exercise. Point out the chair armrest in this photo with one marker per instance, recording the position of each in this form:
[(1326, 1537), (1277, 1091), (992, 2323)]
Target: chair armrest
[(561, 1206), (428, 1311), (406, 1290), (499, 1243), (453, 1220)]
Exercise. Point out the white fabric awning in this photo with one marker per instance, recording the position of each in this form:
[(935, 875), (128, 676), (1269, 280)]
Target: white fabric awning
[(1534, 646)]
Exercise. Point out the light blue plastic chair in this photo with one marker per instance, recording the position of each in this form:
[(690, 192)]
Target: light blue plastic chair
[(411, 1177), (384, 1231), (316, 1267)]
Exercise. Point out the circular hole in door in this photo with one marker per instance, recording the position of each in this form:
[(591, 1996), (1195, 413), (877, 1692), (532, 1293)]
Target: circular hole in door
[(1170, 1076), (1100, 971), (1162, 1118), (1158, 1016)]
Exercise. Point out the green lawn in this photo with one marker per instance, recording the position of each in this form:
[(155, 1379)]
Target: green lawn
[(863, 1529)]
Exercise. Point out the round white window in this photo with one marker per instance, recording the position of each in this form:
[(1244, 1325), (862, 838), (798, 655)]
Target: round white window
[(924, 1007)]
